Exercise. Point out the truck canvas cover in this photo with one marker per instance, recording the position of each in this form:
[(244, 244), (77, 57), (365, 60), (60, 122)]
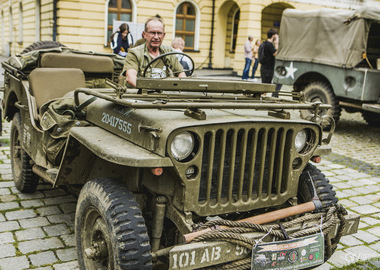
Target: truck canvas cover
[(342, 41)]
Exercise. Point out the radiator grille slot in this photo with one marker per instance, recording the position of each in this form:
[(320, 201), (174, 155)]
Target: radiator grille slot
[(244, 164)]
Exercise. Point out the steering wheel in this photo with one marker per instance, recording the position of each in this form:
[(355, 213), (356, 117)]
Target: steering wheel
[(190, 70)]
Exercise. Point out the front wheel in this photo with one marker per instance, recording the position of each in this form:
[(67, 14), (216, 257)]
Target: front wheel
[(110, 230), (322, 92), (25, 180)]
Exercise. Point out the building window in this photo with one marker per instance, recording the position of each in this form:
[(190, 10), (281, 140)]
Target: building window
[(20, 24), (118, 10), (185, 24), (235, 27)]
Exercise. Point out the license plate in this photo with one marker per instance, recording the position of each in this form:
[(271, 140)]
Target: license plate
[(297, 253)]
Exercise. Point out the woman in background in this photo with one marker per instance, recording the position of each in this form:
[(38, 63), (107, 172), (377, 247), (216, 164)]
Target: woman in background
[(121, 40)]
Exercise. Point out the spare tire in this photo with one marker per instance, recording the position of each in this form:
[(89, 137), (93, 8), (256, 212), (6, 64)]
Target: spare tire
[(39, 45)]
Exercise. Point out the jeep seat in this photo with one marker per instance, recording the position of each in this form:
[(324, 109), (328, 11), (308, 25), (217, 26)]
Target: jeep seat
[(87, 63), (50, 83)]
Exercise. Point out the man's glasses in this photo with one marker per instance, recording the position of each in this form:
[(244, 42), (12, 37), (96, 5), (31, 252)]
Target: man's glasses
[(159, 34)]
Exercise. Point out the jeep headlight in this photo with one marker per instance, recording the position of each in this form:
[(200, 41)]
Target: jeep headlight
[(300, 141), (182, 145)]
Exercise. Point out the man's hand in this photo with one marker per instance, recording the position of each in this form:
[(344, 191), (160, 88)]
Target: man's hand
[(131, 75), (182, 75)]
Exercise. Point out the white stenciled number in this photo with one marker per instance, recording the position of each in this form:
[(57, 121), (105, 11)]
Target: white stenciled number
[(240, 250), (117, 123), (184, 259), (105, 118)]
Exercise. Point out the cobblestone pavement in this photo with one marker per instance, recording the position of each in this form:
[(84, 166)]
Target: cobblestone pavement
[(37, 230)]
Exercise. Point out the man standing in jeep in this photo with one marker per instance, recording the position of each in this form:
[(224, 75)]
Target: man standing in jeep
[(267, 55), (139, 57)]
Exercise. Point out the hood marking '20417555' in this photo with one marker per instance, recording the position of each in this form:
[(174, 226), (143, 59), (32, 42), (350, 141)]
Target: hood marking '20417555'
[(117, 123)]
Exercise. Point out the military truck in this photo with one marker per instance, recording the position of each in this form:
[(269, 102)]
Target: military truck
[(178, 173), (333, 57)]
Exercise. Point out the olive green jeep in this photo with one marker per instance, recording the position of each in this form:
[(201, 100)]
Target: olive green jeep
[(332, 56), (178, 173)]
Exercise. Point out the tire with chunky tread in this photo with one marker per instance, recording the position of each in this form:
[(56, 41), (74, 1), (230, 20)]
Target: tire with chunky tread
[(107, 211), (321, 91), (39, 45), (372, 119), (322, 185), (25, 180)]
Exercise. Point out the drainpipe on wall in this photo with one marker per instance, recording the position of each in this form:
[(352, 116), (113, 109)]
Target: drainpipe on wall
[(212, 35), (55, 20)]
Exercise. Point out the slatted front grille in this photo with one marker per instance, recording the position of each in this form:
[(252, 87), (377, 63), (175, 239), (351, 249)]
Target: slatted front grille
[(240, 165)]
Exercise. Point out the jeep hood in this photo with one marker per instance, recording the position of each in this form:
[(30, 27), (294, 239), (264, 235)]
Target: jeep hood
[(150, 128)]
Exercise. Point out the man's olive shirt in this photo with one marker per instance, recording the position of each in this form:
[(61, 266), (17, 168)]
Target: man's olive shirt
[(139, 57)]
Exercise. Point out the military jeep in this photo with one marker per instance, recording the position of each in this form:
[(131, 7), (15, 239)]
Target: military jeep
[(333, 57), (178, 173)]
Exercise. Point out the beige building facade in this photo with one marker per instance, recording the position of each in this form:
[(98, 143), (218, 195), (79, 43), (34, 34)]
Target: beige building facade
[(214, 30)]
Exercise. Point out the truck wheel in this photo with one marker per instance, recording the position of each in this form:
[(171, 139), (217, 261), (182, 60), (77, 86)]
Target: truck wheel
[(320, 91), (39, 45), (322, 185), (25, 180), (372, 119), (110, 230)]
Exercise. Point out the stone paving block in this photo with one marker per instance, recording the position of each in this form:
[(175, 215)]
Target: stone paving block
[(69, 240), (6, 171), (335, 166), (351, 192), (375, 246), (376, 179), (347, 203), (7, 250), (325, 266), (366, 209), (7, 177), (365, 236), (350, 241), (362, 225), (360, 253), (341, 194), (366, 182), (373, 197), (376, 264), (39, 245), (68, 254), (9, 226), (370, 221), (67, 266), (56, 230), (360, 200), (43, 268), (34, 222), (2, 218), (338, 259), (6, 184), (31, 203), (30, 234), (6, 238), (9, 205), (63, 218), (343, 177), (5, 191), (42, 258), (341, 185), (367, 189), (8, 198), (20, 214), (375, 231), (14, 263), (30, 196), (49, 210), (68, 208), (60, 200)]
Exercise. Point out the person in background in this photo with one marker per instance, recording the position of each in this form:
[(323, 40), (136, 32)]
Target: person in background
[(248, 57), (255, 57), (121, 40), (178, 45), (139, 57)]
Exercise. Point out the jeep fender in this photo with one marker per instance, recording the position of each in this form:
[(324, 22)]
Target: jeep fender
[(91, 151)]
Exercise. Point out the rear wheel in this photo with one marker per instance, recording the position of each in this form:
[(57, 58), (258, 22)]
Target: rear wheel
[(372, 119), (109, 228), (42, 45), (25, 180), (320, 91)]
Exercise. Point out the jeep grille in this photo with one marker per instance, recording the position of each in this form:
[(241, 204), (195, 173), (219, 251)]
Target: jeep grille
[(244, 165)]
